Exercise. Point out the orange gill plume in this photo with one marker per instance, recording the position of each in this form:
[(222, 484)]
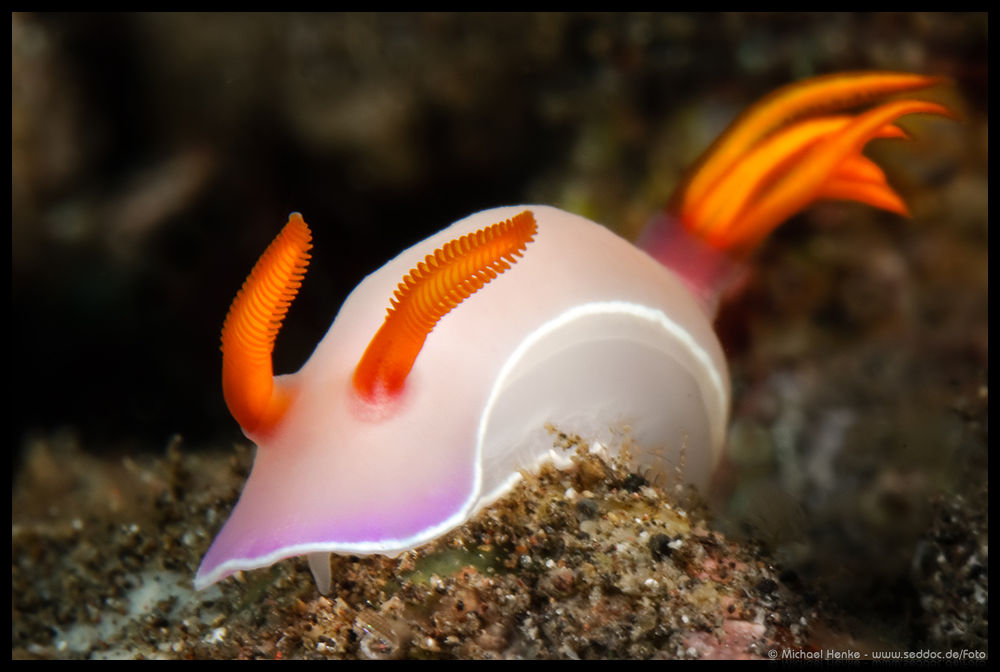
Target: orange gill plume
[(428, 292), (252, 324), (788, 151)]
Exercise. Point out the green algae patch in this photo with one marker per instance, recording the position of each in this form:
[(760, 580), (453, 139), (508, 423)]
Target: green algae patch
[(450, 561)]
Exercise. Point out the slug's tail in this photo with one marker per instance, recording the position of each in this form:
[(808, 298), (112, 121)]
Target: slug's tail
[(793, 148)]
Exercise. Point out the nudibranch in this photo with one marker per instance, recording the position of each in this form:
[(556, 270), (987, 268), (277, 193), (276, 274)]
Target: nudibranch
[(434, 386)]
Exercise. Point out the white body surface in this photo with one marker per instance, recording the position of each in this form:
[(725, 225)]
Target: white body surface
[(585, 332)]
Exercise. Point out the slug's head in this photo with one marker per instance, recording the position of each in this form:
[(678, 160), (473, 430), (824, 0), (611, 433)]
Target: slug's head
[(423, 296)]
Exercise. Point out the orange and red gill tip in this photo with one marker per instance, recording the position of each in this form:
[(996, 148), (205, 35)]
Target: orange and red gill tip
[(252, 325), (814, 96), (774, 161), (802, 185), (429, 291)]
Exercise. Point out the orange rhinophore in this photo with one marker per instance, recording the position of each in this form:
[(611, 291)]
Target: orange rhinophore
[(429, 291), (253, 322)]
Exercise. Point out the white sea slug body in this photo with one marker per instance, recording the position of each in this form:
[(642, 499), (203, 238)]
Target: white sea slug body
[(436, 383)]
